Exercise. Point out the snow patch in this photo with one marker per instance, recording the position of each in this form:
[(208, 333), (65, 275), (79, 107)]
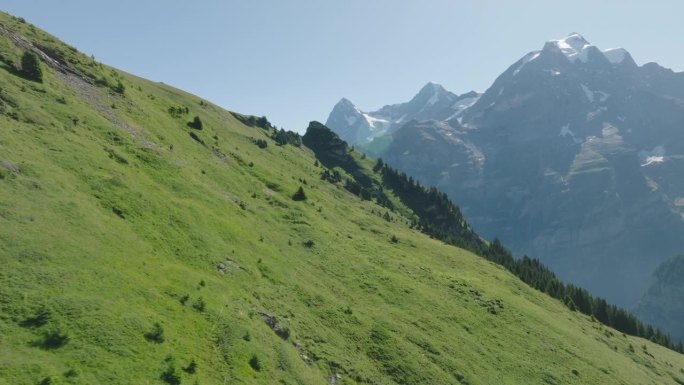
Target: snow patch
[(461, 105), (375, 122), (654, 156), (526, 59), (574, 47), (653, 159), (591, 95), (615, 55), (466, 102), (566, 131)]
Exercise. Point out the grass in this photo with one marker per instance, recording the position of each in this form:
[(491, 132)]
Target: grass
[(111, 218)]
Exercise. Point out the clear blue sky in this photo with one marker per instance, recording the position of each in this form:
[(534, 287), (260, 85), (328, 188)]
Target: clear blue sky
[(293, 60)]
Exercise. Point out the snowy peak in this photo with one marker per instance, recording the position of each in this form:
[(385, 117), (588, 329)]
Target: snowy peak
[(354, 125), (432, 87), (347, 110), (431, 91), (430, 95), (574, 47), (345, 104), (432, 102)]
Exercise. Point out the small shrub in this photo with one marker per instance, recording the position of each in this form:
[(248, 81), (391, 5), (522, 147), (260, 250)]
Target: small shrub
[(119, 88), (196, 123), (102, 82), (156, 335), (30, 67), (254, 363), (308, 244), (178, 111), (171, 375), (261, 143), (394, 239), (300, 195), (199, 304), (53, 339), (191, 368), (49, 380), (184, 299), (575, 372), (41, 317)]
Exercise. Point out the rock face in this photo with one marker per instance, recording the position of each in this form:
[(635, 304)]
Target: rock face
[(573, 155), (333, 150), (663, 303)]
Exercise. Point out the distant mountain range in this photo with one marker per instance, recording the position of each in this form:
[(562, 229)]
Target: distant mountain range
[(573, 155), (432, 102)]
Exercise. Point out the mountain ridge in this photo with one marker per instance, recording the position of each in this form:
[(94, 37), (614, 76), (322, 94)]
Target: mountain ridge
[(358, 127)]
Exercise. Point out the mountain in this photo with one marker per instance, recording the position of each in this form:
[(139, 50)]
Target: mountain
[(663, 303), (431, 102), (150, 236), (572, 156)]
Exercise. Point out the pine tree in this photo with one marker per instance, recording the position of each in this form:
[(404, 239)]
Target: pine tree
[(300, 195)]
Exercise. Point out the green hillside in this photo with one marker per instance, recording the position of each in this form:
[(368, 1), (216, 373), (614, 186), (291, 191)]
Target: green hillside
[(140, 245)]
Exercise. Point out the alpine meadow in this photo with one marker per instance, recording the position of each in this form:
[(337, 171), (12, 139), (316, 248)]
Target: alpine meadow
[(148, 236)]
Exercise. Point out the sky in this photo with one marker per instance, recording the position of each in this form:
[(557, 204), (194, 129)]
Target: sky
[(293, 60)]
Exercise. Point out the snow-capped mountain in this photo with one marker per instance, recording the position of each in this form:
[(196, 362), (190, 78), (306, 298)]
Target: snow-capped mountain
[(354, 125), (573, 155), (431, 102)]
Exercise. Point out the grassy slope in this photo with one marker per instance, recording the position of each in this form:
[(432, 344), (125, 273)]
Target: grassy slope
[(355, 303)]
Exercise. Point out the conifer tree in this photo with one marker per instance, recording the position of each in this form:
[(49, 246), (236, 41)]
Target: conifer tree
[(300, 195)]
